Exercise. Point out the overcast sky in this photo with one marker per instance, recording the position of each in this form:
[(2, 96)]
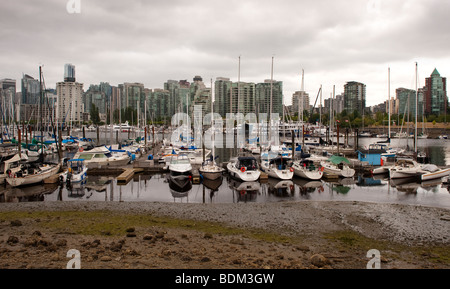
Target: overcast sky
[(153, 41)]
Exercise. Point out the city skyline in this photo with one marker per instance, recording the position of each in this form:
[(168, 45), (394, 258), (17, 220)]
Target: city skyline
[(149, 43)]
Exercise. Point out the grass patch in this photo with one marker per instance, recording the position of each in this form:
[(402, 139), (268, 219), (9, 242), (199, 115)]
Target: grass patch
[(101, 223)]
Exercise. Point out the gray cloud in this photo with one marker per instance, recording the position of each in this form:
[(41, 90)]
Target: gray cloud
[(153, 41)]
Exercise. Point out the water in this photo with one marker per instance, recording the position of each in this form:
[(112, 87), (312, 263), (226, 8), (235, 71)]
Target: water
[(155, 188)]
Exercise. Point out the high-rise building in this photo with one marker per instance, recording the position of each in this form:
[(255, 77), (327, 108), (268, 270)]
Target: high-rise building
[(133, 96), (244, 97), (158, 105), (354, 97), (222, 96), (8, 101), (300, 101), (247, 97), (269, 97), (69, 73), (94, 96), (407, 102), (180, 95), (70, 98), (30, 90), (435, 94), (336, 104), (200, 95)]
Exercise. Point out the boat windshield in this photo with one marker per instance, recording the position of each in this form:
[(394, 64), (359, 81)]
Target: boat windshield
[(249, 163), (281, 163), (180, 160), (86, 156)]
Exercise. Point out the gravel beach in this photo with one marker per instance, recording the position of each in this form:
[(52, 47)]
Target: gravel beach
[(271, 235)]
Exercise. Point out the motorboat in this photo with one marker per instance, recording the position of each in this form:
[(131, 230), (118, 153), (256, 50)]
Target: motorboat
[(180, 175), (32, 173), (124, 127), (405, 168), (244, 168), (76, 172), (307, 169), (279, 168), (337, 165), (102, 157)]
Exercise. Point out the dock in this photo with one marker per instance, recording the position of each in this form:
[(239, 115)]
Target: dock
[(127, 175)]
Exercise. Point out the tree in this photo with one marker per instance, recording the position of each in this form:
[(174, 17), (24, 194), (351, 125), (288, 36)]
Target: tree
[(95, 115)]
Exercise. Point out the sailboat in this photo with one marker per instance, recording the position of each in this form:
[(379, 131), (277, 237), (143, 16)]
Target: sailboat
[(209, 169), (244, 168), (33, 173), (337, 165), (306, 169), (9, 166), (279, 168)]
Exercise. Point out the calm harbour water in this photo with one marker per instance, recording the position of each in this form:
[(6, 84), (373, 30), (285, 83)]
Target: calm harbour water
[(155, 188)]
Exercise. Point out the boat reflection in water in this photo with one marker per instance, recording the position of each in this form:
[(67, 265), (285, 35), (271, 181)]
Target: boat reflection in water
[(77, 190), (280, 188), (213, 186), (307, 186), (244, 191), (27, 194), (412, 185), (179, 190)]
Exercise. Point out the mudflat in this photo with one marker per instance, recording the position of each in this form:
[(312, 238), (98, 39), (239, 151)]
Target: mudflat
[(282, 235)]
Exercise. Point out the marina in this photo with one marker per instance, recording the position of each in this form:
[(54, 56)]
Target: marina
[(148, 180)]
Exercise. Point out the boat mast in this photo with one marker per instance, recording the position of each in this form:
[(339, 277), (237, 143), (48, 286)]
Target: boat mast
[(42, 119), (320, 108), (389, 104), (212, 123), (415, 134), (302, 95), (271, 96)]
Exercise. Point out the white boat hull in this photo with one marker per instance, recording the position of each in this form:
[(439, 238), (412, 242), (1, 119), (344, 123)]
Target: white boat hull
[(211, 173), (380, 170), (345, 172), (306, 174), (403, 173), (435, 175), (246, 176), (33, 179), (280, 174), (76, 178)]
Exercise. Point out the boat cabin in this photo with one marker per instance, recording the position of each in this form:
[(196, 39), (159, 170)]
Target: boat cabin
[(281, 163), (372, 155), (75, 166), (249, 163)]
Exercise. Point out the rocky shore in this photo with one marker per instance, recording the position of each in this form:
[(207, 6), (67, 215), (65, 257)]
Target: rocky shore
[(304, 235)]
